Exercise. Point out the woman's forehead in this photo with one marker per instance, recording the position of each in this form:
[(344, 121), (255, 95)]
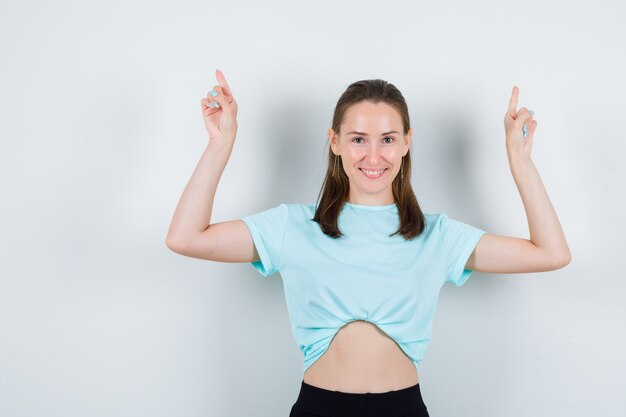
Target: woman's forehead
[(371, 118)]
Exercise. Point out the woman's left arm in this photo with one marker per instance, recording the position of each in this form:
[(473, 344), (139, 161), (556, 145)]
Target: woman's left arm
[(547, 248)]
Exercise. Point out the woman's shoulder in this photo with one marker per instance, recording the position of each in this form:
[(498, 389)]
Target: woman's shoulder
[(433, 217), (434, 220), (300, 209)]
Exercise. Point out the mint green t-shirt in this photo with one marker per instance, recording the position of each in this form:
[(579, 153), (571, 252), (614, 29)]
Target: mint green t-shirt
[(364, 275)]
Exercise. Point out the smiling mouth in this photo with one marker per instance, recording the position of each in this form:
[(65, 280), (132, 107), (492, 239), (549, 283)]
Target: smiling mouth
[(372, 175)]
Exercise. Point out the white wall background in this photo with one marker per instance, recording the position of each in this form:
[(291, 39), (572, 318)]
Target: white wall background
[(101, 128)]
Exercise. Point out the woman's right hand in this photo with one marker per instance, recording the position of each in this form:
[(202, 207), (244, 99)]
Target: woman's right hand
[(220, 122)]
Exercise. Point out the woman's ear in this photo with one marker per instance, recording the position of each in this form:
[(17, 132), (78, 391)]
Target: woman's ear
[(332, 138), (407, 140)]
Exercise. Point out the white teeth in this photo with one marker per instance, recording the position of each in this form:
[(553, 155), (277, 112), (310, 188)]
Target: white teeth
[(373, 173)]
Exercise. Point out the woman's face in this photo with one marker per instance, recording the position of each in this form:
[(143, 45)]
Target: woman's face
[(371, 141)]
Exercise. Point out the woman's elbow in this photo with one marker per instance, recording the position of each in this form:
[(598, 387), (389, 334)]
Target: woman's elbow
[(563, 260), (173, 243)]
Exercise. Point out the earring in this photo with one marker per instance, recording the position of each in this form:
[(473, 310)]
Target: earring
[(401, 170), (335, 166)]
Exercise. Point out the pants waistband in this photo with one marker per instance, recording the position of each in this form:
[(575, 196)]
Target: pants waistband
[(325, 402)]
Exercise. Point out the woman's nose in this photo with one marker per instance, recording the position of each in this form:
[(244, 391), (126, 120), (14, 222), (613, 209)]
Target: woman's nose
[(373, 153)]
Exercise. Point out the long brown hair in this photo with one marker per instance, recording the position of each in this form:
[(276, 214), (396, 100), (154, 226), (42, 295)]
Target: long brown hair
[(336, 185)]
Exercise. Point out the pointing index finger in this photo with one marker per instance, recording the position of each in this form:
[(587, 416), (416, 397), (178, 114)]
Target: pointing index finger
[(222, 80), (513, 101)]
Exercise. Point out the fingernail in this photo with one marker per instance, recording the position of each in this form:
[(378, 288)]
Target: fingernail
[(211, 104), (217, 104), (525, 130), (213, 93)]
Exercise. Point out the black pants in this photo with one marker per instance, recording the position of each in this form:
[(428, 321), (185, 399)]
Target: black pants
[(318, 402)]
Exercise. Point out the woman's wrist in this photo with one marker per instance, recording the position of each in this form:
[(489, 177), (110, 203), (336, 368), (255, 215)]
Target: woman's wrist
[(222, 141), (519, 163)]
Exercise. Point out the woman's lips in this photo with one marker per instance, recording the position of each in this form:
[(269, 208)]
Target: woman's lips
[(374, 176)]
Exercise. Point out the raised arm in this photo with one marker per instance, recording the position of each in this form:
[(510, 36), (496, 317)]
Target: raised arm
[(191, 232), (547, 248)]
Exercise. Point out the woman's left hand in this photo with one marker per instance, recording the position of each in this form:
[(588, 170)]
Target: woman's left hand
[(516, 123)]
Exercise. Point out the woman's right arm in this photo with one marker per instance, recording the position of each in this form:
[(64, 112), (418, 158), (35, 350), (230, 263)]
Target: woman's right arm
[(191, 232)]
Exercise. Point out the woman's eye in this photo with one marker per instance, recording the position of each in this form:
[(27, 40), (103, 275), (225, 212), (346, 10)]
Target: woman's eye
[(386, 137)]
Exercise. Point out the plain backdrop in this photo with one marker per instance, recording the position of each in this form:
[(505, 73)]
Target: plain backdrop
[(101, 128)]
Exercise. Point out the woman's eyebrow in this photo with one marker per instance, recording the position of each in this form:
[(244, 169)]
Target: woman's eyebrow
[(365, 134)]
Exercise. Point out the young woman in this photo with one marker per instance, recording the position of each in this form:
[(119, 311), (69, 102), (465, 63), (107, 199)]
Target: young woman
[(362, 267)]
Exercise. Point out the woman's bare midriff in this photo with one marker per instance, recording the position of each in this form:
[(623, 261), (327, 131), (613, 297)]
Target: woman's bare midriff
[(362, 358)]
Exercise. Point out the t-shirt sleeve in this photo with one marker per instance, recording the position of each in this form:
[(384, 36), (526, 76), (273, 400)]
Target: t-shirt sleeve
[(268, 230), (458, 240)]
